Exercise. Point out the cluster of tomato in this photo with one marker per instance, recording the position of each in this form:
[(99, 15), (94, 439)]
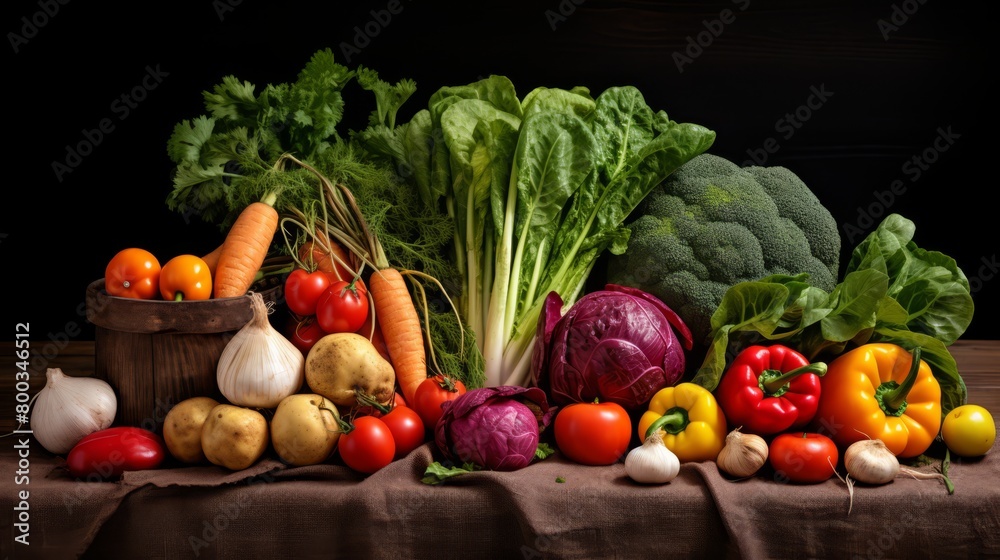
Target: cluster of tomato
[(136, 273), (378, 437), (322, 303)]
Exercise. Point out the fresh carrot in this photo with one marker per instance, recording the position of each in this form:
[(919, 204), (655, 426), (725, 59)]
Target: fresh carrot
[(245, 248), (212, 259), (401, 330)]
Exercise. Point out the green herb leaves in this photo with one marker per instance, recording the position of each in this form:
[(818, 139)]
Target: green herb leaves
[(245, 133)]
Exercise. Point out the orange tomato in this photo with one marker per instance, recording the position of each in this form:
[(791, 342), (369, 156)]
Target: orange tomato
[(133, 273), (186, 277)]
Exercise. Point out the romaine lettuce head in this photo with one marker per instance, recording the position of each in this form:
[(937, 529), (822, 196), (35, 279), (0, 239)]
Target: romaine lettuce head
[(496, 428), (614, 345)]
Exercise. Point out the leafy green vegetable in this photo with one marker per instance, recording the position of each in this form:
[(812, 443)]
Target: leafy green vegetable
[(237, 152), (537, 187), (244, 134), (892, 291)]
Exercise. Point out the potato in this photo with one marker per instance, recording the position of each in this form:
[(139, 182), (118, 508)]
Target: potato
[(234, 436), (304, 429), (342, 365), (182, 428)]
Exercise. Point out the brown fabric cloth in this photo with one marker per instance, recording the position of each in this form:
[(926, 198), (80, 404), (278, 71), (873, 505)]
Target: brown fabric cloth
[(551, 509)]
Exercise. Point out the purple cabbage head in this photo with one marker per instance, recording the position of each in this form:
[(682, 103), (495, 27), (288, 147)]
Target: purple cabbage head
[(618, 345), (496, 428)]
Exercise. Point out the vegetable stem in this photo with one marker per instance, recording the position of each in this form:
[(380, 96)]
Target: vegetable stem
[(894, 397), (772, 380), (673, 421)]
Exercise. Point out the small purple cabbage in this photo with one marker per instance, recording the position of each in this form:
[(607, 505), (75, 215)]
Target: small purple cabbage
[(496, 428), (614, 345)]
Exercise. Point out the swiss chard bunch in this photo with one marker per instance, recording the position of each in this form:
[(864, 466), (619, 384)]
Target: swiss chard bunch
[(892, 291), (538, 187)]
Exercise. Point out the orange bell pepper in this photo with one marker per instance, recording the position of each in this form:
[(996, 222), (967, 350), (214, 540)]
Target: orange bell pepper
[(881, 391)]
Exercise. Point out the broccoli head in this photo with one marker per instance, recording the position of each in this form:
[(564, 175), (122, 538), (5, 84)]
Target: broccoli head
[(712, 224)]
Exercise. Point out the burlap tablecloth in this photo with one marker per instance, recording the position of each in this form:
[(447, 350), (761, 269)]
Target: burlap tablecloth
[(551, 509)]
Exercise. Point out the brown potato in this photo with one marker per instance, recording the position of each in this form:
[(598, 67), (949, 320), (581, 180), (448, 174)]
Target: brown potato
[(341, 365), (182, 428), (234, 437), (304, 429)]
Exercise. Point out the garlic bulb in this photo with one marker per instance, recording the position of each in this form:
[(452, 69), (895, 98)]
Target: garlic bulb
[(68, 408), (871, 462), (742, 455), (259, 366), (652, 462)]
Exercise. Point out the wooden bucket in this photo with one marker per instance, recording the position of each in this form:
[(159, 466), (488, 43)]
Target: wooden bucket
[(156, 353)]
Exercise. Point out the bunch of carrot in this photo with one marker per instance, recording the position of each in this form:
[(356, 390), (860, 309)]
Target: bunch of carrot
[(341, 242)]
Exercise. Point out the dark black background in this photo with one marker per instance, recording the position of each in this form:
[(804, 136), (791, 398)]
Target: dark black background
[(891, 88)]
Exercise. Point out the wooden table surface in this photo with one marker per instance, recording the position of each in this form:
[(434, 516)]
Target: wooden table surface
[(978, 362)]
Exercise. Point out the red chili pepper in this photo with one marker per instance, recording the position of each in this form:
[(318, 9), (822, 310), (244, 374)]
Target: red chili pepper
[(770, 389)]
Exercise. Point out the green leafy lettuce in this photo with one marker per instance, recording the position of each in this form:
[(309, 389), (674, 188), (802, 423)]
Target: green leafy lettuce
[(892, 291)]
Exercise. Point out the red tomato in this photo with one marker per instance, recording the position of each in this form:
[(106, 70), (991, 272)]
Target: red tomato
[(133, 273), (407, 429), (803, 457), (368, 446), (593, 433), (185, 277), (343, 307), (106, 454), (431, 394), (304, 333), (303, 289)]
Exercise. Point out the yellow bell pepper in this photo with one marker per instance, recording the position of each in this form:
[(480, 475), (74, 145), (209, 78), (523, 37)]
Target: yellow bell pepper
[(693, 424), (879, 391)]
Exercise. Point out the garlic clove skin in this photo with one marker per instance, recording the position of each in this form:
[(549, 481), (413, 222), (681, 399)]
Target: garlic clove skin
[(68, 408), (742, 455)]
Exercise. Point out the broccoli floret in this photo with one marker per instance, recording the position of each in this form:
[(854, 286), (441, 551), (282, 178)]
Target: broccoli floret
[(712, 224)]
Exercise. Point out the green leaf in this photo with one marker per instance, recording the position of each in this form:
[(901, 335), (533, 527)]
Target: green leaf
[(928, 285), (233, 101), (388, 97), (856, 300), (436, 472), (747, 306), (543, 451)]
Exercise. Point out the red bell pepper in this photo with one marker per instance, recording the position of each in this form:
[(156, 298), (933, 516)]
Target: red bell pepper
[(770, 389)]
